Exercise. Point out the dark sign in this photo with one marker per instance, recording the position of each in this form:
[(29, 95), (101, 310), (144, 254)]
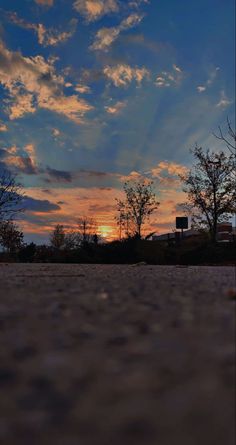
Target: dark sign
[(182, 222)]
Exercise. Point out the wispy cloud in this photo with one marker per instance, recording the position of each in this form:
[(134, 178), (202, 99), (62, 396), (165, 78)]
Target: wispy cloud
[(211, 79), (52, 37), (224, 101), (3, 127), (116, 108), (106, 36), (167, 79), (123, 75), (46, 36), (56, 132), (201, 88)]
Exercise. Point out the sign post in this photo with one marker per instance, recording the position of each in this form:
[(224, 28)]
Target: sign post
[(182, 223)]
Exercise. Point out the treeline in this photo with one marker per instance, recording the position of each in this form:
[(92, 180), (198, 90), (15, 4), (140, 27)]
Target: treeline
[(190, 251)]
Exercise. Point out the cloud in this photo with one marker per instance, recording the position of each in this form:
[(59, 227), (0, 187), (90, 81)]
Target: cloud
[(116, 108), (52, 37), (172, 168), (21, 164), (93, 10), (93, 173), (82, 89), (167, 79), (24, 160), (201, 88), (132, 176), (21, 160), (211, 78), (102, 208), (56, 133), (32, 82), (224, 101), (123, 75), (137, 3), (106, 36), (22, 104), (37, 205), (3, 127), (167, 173), (44, 2), (142, 41), (70, 106), (31, 151), (46, 37), (58, 175), (43, 215)]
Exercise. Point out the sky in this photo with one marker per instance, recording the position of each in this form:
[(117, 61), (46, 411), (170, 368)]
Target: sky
[(96, 92)]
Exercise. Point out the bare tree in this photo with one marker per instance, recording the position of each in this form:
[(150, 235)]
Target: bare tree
[(229, 138), (11, 196), (87, 229), (139, 203), (11, 238), (71, 240), (58, 236), (210, 189)]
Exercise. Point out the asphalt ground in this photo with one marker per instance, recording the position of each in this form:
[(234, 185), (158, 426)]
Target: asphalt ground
[(113, 355)]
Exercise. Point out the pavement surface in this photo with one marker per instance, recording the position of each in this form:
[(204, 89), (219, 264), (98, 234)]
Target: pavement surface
[(136, 355)]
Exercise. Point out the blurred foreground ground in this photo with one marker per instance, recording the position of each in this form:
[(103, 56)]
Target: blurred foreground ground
[(117, 355)]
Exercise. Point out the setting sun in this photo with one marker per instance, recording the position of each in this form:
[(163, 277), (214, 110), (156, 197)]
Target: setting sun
[(106, 232)]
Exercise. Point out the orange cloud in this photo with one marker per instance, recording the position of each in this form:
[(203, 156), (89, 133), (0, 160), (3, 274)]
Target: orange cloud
[(46, 36), (98, 203), (3, 127), (95, 9), (44, 2), (23, 104), (33, 82), (123, 75), (23, 160), (77, 202), (171, 168), (106, 36)]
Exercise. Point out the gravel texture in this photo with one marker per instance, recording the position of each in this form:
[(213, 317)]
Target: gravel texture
[(117, 355)]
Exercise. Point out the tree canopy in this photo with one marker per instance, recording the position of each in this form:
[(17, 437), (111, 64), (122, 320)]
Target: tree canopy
[(210, 189)]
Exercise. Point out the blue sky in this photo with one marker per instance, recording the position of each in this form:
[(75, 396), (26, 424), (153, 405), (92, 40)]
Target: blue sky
[(96, 91)]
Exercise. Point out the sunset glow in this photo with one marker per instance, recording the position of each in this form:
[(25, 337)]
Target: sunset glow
[(97, 93)]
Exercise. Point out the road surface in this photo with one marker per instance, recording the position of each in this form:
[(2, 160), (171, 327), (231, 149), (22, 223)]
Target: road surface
[(136, 355)]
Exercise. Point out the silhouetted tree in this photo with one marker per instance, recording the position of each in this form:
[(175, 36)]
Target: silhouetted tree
[(229, 139), (71, 240), (58, 236), (87, 228), (27, 253), (11, 196), (210, 189), (139, 203), (11, 238)]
